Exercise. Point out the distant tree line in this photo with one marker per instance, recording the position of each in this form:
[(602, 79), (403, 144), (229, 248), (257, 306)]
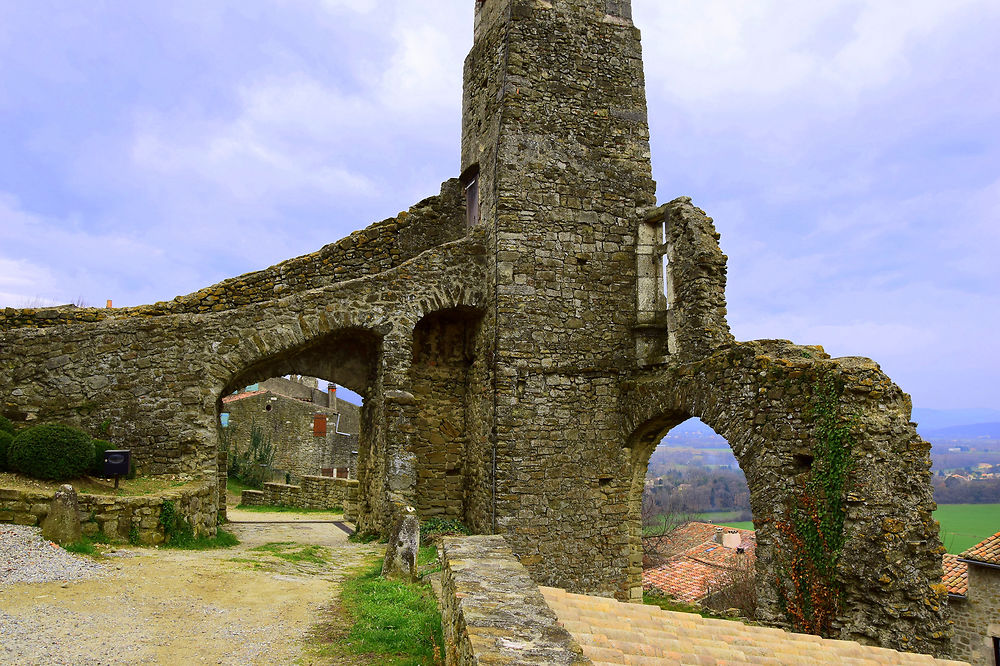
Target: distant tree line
[(697, 490), (954, 490)]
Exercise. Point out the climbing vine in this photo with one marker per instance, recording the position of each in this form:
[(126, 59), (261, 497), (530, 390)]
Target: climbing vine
[(809, 592)]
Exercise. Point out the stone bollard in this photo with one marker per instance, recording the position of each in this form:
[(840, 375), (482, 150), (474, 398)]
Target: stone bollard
[(62, 524), (401, 551)]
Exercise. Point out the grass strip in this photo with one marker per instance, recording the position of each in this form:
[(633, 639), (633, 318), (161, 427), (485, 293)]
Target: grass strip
[(275, 508), (222, 539), (391, 622)]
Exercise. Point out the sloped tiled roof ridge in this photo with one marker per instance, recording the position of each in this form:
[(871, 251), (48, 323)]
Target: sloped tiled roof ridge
[(614, 633), (986, 551)]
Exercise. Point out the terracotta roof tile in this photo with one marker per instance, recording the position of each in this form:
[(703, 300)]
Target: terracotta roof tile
[(611, 632), (240, 396), (696, 561), (987, 551), (956, 575)]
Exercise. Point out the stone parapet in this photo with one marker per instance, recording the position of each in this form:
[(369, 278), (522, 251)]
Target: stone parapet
[(129, 518), (493, 613), (252, 498)]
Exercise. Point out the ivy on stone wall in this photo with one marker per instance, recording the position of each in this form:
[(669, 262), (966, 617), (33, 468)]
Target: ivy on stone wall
[(809, 591)]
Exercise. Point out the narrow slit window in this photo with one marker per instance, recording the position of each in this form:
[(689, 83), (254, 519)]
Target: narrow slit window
[(470, 182)]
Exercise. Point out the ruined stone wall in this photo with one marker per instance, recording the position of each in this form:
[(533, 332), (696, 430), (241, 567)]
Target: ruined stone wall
[(760, 396), (376, 248), (115, 517), (565, 176), (289, 425), (156, 383), (977, 617), (443, 347)]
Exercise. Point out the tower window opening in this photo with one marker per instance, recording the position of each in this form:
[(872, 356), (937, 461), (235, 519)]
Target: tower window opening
[(470, 183)]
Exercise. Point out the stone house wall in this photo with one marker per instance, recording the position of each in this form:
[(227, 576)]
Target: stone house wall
[(196, 502), (288, 423), (977, 616)]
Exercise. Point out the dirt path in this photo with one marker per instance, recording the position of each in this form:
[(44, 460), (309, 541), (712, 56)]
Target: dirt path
[(160, 606)]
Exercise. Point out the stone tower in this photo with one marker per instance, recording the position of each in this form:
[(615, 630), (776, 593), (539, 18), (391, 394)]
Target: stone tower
[(555, 140)]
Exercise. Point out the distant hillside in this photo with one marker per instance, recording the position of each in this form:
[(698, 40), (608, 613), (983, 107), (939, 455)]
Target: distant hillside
[(967, 431), (930, 420)]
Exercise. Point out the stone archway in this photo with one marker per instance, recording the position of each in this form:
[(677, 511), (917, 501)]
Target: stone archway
[(767, 398), (347, 356)]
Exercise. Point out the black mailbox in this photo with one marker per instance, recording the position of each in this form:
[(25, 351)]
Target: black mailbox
[(116, 462)]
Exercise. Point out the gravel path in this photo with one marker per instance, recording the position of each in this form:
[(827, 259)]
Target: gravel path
[(25, 557), (164, 606)]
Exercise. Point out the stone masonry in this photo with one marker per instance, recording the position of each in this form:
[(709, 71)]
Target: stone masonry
[(311, 430), (520, 347)]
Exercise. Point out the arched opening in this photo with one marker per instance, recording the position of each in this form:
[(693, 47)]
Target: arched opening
[(445, 370), (285, 428), (301, 413), (693, 512)]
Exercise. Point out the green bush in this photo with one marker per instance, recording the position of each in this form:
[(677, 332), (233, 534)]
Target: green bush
[(100, 446), (5, 439), (6, 425), (51, 451)]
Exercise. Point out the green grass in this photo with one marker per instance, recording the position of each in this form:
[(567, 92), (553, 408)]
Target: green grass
[(222, 539), (85, 546), (295, 552), (965, 525), (236, 487), (667, 602), (391, 622), (269, 508), (721, 518)]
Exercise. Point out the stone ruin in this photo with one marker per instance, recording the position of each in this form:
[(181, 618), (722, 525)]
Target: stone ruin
[(521, 350)]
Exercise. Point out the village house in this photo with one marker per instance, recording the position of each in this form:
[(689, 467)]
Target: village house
[(973, 580), (312, 431)]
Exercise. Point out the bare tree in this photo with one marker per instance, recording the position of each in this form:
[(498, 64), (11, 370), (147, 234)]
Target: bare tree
[(658, 524), (737, 588)]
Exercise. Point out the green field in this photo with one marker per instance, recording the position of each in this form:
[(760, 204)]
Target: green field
[(965, 525)]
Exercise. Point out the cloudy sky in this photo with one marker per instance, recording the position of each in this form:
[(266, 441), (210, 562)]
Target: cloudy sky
[(848, 150)]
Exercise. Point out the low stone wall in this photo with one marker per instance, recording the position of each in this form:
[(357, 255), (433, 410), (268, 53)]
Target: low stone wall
[(316, 492), (493, 613), (117, 516)]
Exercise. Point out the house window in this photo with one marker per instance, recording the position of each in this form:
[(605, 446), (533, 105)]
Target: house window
[(319, 425), (470, 182)]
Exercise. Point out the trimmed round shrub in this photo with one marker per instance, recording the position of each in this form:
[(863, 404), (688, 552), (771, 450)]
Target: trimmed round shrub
[(5, 439), (51, 451), (6, 425), (100, 446)]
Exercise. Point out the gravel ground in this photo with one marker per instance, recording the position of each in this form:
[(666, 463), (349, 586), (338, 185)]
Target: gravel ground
[(163, 606), (25, 557)]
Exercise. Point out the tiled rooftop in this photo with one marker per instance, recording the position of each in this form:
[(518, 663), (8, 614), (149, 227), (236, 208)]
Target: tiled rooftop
[(240, 396), (696, 562), (987, 551), (956, 575), (616, 633)]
